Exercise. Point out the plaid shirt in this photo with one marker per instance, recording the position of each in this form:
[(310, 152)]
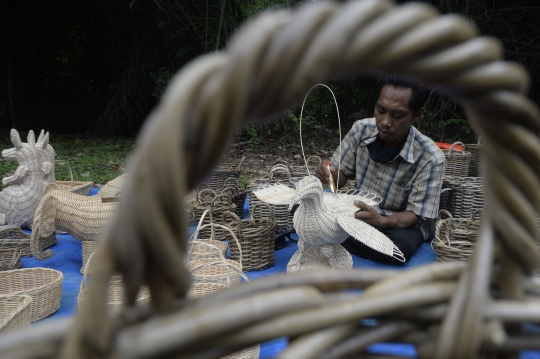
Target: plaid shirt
[(410, 182)]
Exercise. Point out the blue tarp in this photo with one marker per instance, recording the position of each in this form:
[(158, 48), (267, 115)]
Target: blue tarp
[(68, 259)]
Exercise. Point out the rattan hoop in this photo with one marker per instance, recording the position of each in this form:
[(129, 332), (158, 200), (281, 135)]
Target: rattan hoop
[(15, 312), (44, 285)]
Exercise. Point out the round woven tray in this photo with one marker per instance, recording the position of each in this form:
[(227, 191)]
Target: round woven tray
[(256, 238), (15, 312), (457, 162), (44, 285), (462, 196), (10, 259), (455, 238)]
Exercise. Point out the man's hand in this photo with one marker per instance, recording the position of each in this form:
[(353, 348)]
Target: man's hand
[(369, 215), (322, 172)]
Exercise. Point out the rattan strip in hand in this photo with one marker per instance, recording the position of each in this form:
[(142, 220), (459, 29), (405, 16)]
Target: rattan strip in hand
[(10, 259), (457, 162), (256, 237), (15, 312), (44, 285), (268, 65), (12, 238), (455, 238)]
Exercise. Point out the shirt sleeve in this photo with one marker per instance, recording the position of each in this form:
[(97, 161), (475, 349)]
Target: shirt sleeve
[(349, 147), (426, 191)]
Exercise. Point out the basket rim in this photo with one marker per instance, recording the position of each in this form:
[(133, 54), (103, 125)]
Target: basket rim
[(25, 300), (58, 279)]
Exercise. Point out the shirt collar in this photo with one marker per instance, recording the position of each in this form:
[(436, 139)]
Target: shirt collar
[(407, 152)]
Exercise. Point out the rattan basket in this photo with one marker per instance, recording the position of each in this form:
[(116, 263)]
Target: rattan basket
[(205, 247), (462, 196), (12, 238), (256, 237), (15, 312), (476, 151), (44, 285), (79, 187), (88, 247), (217, 178), (217, 206), (10, 259), (278, 174), (455, 238), (298, 172), (113, 188), (457, 162), (115, 289), (238, 195)]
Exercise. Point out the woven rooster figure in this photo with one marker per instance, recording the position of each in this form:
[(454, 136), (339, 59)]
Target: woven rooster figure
[(323, 221)]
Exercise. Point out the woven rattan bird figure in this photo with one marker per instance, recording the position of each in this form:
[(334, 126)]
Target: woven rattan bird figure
[(323, 221)]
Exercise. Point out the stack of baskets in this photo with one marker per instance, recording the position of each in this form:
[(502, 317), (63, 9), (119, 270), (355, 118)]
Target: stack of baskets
[(256, 239), (461, 204)]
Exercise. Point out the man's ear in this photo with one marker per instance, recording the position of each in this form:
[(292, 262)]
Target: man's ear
[(418, 115)]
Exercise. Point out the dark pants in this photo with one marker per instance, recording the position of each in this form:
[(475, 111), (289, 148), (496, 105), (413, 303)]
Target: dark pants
[(406, 239)]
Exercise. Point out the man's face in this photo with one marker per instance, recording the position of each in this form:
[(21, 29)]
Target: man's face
[(393, 115)]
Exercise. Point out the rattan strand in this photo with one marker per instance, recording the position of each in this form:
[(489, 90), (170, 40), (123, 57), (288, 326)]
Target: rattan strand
[(256, 237), (10, 259), (455, 238), (15, 312), (44, 285)]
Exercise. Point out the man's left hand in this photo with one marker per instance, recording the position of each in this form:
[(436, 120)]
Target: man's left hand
[(369, 215)]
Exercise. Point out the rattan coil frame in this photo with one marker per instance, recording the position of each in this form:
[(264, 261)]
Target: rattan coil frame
[(44, 285), (455, 238), (256, 238), (267, 67), (10, 259), (15, 312)]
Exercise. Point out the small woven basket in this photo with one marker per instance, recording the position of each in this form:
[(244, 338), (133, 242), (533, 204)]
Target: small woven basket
[(15, 312), (216, 180), (10, 259), (455, 238), (256, 237), (457, 162), (217, 206), (44, 285), (79, 187), (115, 289), (238, 195), (475, 150), (206, 247), (88, 247), (462, 196), (12, 238)]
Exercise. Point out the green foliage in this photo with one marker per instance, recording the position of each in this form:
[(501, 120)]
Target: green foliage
[(162, 77), (253, 137)]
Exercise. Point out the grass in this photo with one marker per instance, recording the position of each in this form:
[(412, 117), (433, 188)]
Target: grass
[(90, 158)]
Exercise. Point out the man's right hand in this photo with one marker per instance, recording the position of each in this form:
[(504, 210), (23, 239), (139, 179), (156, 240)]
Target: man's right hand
[(322, 172)]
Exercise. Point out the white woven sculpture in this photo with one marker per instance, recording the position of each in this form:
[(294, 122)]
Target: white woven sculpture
[(323, 221), (19, 201)]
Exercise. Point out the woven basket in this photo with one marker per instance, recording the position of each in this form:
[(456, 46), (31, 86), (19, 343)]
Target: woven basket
[(455, 238), (299, 172), (15, 312), (462, 196), (10, 259), (475, 150), (256, 237), (12, 238), (79, 187), (217, 178), (238, 194), (205, 247), (115, 289), (278, 174), (217, 206), (113, 188), (44, 285), (457, 162), (88, 247)]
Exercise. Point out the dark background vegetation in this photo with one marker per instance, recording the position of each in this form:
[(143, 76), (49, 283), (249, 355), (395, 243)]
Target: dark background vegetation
[(97, 66)]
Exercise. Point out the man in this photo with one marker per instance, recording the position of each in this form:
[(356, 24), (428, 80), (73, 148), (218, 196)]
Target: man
[(386, 155)]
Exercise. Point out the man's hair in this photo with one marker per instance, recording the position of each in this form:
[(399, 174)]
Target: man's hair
[(419, 95)]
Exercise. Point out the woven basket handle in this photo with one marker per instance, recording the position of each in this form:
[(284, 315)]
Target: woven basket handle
[(281, 168), (257, 205), (202, 186), (315, 159), (230, 217), (85, 274), (228, 190), (445, 213), (15, 258), (199, 225), (241, 163), (64, 162), (206, 196), (452, 149), (192, 243), (222, 198), (216, 225), (473, 219), (235, 183), (282, 163)]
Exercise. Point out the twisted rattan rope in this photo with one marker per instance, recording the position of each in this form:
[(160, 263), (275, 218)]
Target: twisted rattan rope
[(269, 65)]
